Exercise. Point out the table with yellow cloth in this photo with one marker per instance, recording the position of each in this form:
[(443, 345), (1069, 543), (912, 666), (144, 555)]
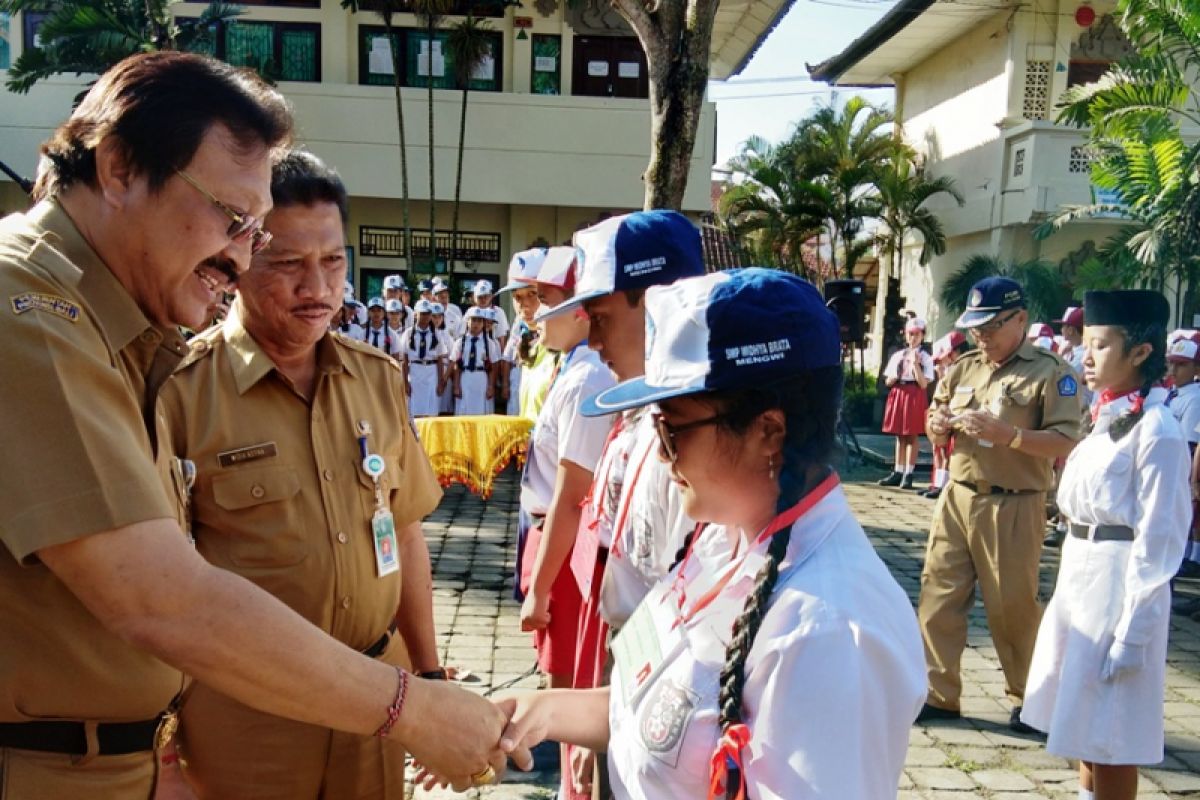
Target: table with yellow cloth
[(473, 450)]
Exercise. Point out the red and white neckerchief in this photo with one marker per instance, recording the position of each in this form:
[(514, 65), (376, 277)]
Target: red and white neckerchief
[(1109, 396), (725, 767)]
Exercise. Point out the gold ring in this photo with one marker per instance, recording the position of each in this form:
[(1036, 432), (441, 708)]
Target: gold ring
[(484, 776)]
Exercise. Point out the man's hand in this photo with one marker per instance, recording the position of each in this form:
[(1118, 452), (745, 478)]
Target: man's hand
[(986, 426), (535, 612), (455, 734), (940, 421)]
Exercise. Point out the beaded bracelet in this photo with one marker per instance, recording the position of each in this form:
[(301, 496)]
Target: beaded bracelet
[(393, 712)]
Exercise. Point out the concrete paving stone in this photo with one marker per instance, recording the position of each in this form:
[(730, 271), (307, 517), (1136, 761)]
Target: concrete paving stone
[(1030, 760), (960, 736), (943, 794), (940, 778), (1002, 780), (925, 757), (980, 756), (1173, 781)]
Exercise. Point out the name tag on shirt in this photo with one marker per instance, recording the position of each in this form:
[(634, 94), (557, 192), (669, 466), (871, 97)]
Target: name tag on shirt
[(383, 531), (646, 642), (231, 458)]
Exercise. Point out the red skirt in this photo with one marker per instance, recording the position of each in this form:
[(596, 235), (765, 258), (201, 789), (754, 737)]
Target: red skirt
[(556, 642), (904, 414)]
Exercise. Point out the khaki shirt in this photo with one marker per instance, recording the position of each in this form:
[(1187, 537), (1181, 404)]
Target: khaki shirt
[(1034, 390), (281, 497), (80, 366)]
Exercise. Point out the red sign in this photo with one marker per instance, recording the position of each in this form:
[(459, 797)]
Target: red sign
[(522, 22)]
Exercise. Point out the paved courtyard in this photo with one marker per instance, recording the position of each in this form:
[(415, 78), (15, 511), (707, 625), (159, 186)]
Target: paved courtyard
[(472, 546)]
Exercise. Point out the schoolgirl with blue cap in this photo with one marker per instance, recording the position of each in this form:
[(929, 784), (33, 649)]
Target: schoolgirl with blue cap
[(778, 658), (521, 349), (424, 356), (473, 367), (1096, 681)]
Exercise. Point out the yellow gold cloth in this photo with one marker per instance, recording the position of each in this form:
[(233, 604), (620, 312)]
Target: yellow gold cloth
[(473, 450)]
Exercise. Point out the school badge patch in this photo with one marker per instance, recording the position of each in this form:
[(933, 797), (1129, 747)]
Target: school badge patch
[(665, 717), (975, 299), (1067, 386), (50, 303)]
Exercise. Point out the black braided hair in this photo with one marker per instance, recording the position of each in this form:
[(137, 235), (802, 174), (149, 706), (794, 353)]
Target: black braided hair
[(811, 403), (1151, 371)]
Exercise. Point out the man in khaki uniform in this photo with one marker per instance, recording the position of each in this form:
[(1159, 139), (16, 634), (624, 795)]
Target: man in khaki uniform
[(1013, 409), (103, 600), (274, 410)]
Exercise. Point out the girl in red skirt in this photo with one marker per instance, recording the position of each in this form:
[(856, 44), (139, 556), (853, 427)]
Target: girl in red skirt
[(945, 352), (908, 373)]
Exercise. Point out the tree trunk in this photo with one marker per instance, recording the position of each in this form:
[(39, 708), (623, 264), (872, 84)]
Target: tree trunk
[(677, 38), (389, 31), (432, 210), (462, 140)]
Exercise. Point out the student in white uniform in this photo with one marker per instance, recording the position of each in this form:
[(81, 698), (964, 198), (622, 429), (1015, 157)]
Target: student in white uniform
[(622, 257), (347, 325), (1098, 670), (908, 374), (376, 332), (424, 362), (473, 365), (1183, 363), (454, 314), (1074, 350), (394, 289), (445, 386), (482, 294), (398, 318), (523, 269), (813, 694)]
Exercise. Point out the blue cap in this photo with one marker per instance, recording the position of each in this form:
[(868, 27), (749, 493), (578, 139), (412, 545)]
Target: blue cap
[(727, 330), (633, 251), (425, 286), (988, 298)]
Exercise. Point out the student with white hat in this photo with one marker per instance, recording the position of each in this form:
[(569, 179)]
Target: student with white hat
[(779, 658), (946, 351), (424, 358), (376, 332), (454, 326), (473, 367), (1041, 335), (908, 374), (633, 522), (394, 288), (1096, 681), (523, 268), (563, 451), (1183, 365), (346, 323), (398, 318), (481, 292)]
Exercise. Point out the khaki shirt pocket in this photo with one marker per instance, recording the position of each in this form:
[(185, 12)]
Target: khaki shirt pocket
[(1018, 406), (259, 526)]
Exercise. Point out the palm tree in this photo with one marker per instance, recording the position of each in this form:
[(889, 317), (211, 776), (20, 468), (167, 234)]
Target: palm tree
[(845, 151), (387, 9), (430, 13), (903, 190), (469, 44), (1046, 294), (772, 210), (85, 37)]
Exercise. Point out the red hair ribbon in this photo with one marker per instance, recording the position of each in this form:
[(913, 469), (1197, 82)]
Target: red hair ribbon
[(726, 764)]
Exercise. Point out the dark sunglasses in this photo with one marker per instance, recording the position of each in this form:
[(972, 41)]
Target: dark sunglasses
[(242, 227), (667, 432)]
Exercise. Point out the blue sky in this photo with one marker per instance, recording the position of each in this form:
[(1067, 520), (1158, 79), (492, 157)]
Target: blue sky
[(812, 31)]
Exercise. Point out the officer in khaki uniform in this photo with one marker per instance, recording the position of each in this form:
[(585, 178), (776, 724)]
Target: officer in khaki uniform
[(1012, 409), (284, 497)]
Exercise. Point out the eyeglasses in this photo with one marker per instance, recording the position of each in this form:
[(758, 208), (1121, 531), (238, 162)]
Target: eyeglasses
[(242, 227), (988, 328), (667, 432)]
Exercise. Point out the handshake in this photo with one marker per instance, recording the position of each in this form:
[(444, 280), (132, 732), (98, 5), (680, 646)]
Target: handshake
[(462, 740)]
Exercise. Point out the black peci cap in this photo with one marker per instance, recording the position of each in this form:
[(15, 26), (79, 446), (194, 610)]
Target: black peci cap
[(1126, 307)]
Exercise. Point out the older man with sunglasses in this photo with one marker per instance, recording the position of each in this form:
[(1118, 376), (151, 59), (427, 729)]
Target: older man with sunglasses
[(1012, 409)]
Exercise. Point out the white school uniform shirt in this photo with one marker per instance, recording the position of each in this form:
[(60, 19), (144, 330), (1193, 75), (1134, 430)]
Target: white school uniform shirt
[(897, 364), (501, 328), (410, 344), (1113, 590), (454, 321), (834, 678), (1185, 405), (485, 349), (350, 331), (561, 433), (383, 338), (651, 530)]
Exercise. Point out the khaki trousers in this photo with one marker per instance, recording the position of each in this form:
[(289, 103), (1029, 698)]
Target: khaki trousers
[(233, 752), (995, 541), (28, 775)]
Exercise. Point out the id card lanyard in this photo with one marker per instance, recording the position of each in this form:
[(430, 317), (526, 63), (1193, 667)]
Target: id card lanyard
[(383, 525)]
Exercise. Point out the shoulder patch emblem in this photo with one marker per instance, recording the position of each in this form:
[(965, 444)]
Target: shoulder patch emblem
[(1067, 386), (50, 303)]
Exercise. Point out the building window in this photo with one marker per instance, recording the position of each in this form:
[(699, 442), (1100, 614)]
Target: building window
[(609, 66), (1019, 162), (460, 8), (282, 51), (5, 40), (31, 22), (282, 3), (547, 64), (375, 60), (1036, 104), (1080, 162)]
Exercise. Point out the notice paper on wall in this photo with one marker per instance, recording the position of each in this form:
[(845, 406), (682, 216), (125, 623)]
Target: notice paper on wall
[(439, 60), (485, 70), (629, 69), (598, 69), (545, 64), (379, 59)]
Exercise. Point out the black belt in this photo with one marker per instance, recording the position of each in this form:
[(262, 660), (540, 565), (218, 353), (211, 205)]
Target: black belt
[(1102, 533), (987, 488), (426, 361), (474, 369), (70, 738), (376, 649), (908, 383)]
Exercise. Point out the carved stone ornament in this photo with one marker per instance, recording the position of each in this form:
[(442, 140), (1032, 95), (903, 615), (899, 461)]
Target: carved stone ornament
[(546, 7), (596, 18), (1104, 41)]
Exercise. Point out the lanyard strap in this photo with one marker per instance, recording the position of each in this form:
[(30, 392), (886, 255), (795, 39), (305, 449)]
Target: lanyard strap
[(627, 492), (601, 480)]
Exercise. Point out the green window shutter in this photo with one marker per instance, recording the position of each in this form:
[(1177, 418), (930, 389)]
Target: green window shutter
[(417, 43), (298, 53), (250, 44), (547, 64)]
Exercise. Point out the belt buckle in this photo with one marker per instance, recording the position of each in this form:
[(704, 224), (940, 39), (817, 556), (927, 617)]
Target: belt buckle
[(166, 729), (982, 488)]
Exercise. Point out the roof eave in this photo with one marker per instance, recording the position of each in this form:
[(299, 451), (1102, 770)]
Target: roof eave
[(891, 23), (780, 13)]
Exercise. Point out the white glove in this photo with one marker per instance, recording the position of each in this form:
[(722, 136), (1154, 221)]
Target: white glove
[(1123, 659)]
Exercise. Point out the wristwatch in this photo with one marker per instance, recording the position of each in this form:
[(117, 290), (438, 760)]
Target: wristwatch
[(1015, 442), (438, 674)]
